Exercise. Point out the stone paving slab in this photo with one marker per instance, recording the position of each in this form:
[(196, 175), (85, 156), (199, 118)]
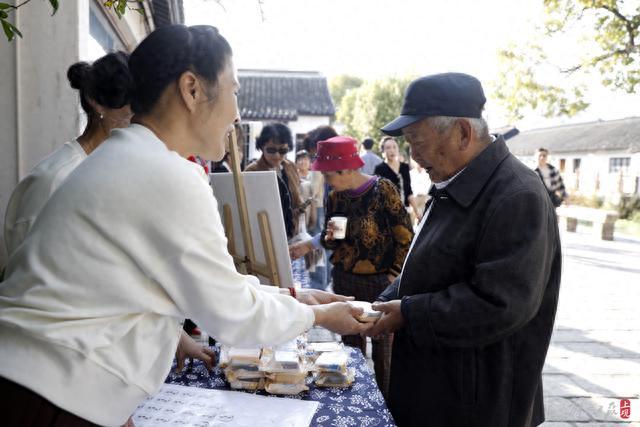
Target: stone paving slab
[(563, 409), (562, 385), (598, 349), (609, 424), (556, 424), (602, 409), (621, 386), (581, 364), (594, 357)]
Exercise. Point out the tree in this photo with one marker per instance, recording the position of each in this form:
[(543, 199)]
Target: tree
[(519, 87), (340, 85), (364, 110), (611, 29)]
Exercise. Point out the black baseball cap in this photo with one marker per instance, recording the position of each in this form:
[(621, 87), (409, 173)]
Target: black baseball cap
[(446, 94)]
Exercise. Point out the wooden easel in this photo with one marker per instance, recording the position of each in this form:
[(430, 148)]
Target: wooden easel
[(248, 264)]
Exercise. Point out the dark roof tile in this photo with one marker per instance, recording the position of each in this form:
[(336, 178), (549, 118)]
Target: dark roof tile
[(613, 135), (283, 95)]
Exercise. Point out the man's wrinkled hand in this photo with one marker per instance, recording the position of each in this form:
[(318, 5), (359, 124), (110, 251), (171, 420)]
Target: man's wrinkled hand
[(390, 321), (340, 317), (187, 347), (316, 296)]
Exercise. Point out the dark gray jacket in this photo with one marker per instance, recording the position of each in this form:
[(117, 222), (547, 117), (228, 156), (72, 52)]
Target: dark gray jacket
[(479, 294)]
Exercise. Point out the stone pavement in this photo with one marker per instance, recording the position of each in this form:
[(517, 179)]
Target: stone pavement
[(594, 358)]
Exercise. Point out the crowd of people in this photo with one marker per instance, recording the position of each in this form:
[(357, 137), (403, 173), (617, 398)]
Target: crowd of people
[(460, 253)]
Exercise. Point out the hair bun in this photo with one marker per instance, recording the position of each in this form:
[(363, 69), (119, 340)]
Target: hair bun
[(78, 74)]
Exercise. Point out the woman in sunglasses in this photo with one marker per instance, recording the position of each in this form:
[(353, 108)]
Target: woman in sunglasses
[(275, 141)]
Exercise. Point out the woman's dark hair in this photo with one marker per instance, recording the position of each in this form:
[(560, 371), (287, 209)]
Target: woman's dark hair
[(166, 53), (107, 82), (321, 133), (276, 132)]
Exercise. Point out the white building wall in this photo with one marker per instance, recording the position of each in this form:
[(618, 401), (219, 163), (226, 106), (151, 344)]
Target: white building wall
[(302, 126), (593, 176), (39, 110)]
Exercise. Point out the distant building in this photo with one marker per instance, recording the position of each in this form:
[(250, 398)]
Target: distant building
[(39, 110), (300, 99), (598, 158)]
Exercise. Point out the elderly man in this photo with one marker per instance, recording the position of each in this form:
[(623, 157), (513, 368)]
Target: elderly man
[(473, 309)]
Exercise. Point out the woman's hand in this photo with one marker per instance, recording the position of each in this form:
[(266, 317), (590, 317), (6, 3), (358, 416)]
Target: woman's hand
[(187, 347), (316, 296), (300, 249), (340, 317)]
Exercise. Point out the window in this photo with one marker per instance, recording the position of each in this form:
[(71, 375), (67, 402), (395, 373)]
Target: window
[(102, 38), (617, 164), (563, 163), (576, 165)]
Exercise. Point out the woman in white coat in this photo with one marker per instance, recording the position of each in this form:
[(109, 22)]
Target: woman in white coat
[(131, 243)]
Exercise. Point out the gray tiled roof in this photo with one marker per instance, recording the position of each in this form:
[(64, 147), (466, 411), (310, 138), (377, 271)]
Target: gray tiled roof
[(283, 95), (613, 135)]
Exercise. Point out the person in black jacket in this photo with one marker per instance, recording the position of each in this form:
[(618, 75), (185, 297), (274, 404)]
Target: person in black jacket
[(474, 307), (397, 172)]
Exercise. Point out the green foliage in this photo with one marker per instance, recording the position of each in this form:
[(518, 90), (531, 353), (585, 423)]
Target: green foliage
[(340, 85), (118, 6), (613, 26), (519, 89), (629, 207), (365, 109), (586, 201)]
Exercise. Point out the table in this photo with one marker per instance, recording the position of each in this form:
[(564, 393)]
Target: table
[(360, 405)]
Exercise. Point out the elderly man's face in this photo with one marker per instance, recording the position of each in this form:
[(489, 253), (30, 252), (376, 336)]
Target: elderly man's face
[(438, 153)]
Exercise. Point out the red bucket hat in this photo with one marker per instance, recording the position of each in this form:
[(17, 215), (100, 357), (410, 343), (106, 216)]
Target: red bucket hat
[(337, 153)]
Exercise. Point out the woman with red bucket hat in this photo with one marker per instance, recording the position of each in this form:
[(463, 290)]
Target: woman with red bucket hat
[(369, 250)]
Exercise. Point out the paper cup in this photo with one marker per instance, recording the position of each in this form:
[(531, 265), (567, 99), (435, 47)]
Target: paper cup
[(339, 227)]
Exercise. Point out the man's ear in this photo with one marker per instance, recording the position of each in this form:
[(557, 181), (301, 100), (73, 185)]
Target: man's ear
[(190, 90), (466, 133)]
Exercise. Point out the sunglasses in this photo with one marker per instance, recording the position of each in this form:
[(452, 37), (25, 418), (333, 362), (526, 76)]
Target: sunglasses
[(273, 150)]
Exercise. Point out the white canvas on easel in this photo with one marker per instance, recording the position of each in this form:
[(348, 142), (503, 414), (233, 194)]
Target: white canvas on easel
[(261, 189)]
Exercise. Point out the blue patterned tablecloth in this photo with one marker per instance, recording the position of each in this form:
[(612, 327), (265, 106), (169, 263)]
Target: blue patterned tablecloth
[(361, 404)]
